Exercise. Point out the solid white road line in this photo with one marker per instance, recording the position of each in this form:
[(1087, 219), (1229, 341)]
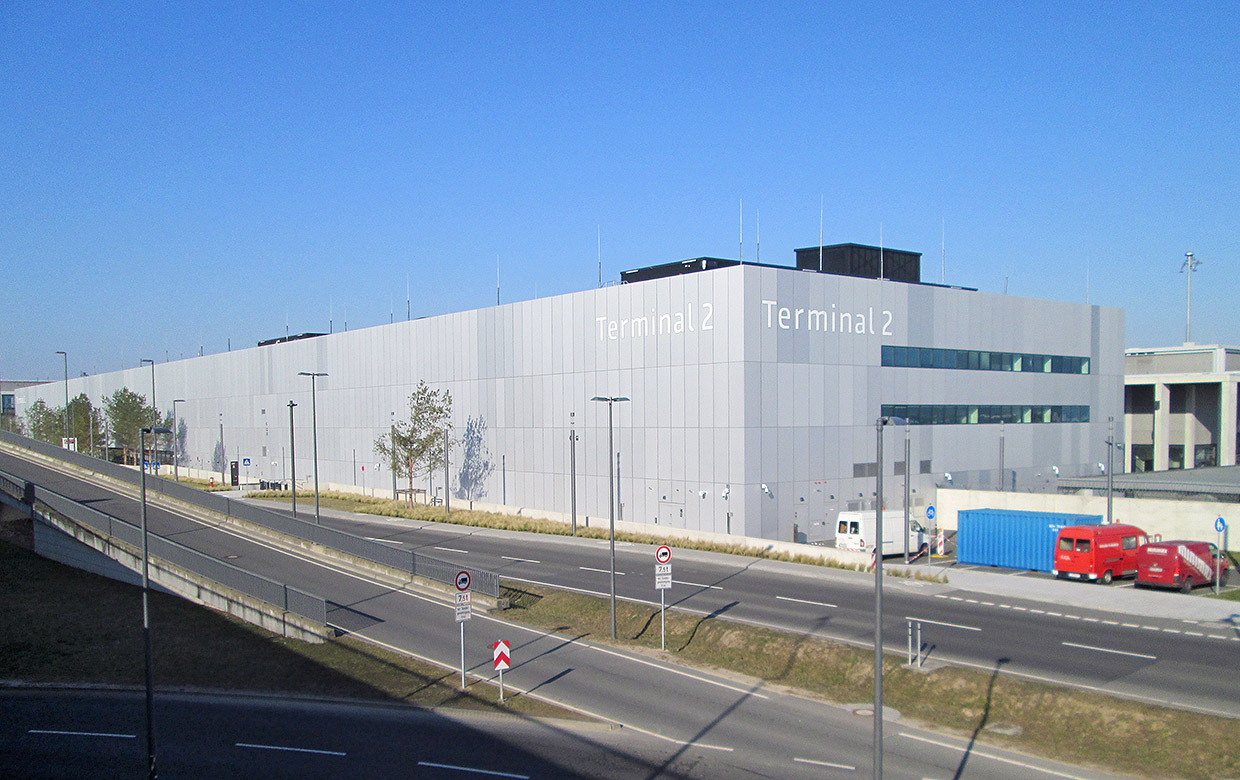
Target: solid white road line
[(992, 756), (600, 571), (680, 672), (825, 763), (474, 771), (82, 734), (291, 749), (451, 549), (1109, 650), (940, 623), (385, 541), (806, 601), (522, 560)]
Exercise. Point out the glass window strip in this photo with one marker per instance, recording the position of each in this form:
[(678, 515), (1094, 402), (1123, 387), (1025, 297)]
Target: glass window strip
[(982, 360), (985, 414)]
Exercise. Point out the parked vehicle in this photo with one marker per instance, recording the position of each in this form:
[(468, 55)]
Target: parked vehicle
[(1098, 552), (1012, 538), (1180, 564), (856, 531)]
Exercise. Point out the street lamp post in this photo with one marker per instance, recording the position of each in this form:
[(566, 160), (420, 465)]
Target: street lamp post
[(572, 473), (292, 450), (611, 497), (908, 467), (176, 440), (314, 429), (66, 414), (878, 599), (447, 484), (146, 615)]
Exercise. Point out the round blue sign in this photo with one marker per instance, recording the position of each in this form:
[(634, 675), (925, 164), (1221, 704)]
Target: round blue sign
[(930, 512), (1220, 525)]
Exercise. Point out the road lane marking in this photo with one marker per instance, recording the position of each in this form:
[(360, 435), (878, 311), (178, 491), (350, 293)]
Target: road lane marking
[(806, 601), (55, 733), (474, 771), (522, 560), (291, 749), (940, 623), (1172, 630), (385, 541), (975, 752), (600, 571), (680, 672), (825, 763), (697, 585), (452, 550), (1109, 650)]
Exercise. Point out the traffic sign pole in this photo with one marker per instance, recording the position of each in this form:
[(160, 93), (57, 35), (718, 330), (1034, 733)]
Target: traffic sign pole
[(662, 581), (1220, 525), (662, 623)]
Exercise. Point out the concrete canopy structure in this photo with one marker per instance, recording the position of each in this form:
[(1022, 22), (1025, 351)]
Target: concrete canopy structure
[(1180, 407), (754, 392)]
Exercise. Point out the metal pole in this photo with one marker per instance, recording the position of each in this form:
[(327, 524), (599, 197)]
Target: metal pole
[(908, 467), (447, 484), (503, 479), (146, 626), (1110, 469), (662, 622), (392, 441), (1002, 470), (572, 478), (1218, 562), (314, 432), (292, 448), (462, 625), (611, 511), (878, 613), (66, 414), (176, 440)]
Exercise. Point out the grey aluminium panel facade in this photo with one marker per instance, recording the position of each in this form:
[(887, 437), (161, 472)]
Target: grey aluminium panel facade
[(739, 377)]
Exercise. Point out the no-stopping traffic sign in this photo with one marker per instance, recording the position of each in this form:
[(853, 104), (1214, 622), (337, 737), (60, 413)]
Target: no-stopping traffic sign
[(462, 580), (663, 554)]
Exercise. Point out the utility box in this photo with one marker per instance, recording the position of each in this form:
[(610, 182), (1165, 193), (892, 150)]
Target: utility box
[(1011, 538)]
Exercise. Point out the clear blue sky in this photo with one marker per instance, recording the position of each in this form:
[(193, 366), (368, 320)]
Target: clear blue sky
[(175, 175)]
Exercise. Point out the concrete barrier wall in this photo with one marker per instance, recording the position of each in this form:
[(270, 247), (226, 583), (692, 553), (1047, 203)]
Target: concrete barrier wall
[(1172, 519)]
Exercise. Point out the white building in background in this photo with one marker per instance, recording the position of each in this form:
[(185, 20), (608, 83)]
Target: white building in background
[(754, 392)]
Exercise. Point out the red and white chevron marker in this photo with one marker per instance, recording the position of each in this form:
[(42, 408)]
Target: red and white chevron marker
[(502, 658)]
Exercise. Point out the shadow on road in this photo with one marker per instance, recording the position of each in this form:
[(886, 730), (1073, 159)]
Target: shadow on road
[(981, 723)]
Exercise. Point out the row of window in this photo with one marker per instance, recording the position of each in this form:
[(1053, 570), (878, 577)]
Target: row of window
[(982, 360), (974, 414)]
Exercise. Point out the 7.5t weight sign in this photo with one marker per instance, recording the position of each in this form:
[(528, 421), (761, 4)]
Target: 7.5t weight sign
[(663, 568)]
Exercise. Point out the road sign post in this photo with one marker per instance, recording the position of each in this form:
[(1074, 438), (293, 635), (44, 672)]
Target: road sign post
[(662, 581), (1220, 525), (464, 611), (500, 653)]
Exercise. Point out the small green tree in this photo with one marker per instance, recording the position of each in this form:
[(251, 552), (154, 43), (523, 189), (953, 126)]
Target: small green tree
[(128, 413), (414, 447), (45, 423), (85, 423)]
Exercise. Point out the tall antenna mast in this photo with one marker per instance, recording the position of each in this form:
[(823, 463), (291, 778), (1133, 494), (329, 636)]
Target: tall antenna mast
[(408, 307), (600, 255), (880, 251), (742, 230), (1190, 265), (759, 237), (820, 202), (943, 258), (330, 316), (497, 280)]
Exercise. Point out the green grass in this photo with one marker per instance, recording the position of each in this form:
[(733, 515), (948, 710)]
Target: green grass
[(1066, 724), (62, 625)]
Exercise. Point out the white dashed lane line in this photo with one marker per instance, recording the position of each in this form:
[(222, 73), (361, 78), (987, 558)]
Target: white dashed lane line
[(806, 601), (453, 550), (1109, 650), (519, 560), (600, 571)]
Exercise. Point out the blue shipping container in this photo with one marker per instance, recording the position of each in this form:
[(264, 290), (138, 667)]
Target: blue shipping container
[(1012, 538)]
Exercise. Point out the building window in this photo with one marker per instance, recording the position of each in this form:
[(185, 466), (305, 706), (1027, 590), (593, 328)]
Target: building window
[(982, 360), (978, 414)]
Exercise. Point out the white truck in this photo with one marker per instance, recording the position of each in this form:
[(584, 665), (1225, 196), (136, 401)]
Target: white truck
[(855, 531)]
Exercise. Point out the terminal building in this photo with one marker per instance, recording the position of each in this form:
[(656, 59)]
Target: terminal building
[(753, 393)]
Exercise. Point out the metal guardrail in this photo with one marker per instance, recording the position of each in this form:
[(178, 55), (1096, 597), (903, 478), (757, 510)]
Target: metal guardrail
[(416, 564), (277, 594)]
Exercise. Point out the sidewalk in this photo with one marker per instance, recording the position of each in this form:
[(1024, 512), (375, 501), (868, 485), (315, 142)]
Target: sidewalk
[(1121, 598)]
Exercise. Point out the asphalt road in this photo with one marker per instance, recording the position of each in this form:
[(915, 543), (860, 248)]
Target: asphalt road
[(737, 729)]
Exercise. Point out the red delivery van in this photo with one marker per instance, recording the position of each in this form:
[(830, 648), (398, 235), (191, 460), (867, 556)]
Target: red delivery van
[(1180, 564), (1097, 552)]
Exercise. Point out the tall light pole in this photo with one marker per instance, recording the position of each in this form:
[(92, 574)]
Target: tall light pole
[(314, 429), (176, 440), (447, 484), (611, 497), (392, 442), (292, 449), (66, 414), (1110, 467), (908, 467), (878, 599), (1190, 265), (153, 406), (146, 615)]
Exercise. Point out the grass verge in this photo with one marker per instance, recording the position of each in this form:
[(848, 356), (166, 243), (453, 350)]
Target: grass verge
[(66, 626), (1065, 724), (386, 507)]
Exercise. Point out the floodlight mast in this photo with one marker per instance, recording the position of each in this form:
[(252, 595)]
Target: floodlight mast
[(1189, 266)]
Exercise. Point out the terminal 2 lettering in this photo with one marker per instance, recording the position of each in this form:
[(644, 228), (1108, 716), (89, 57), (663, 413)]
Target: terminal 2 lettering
[(827, 321), (657, 325)]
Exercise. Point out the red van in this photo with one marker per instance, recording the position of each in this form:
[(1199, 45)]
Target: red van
[(1097, 552), (1180, 564)]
